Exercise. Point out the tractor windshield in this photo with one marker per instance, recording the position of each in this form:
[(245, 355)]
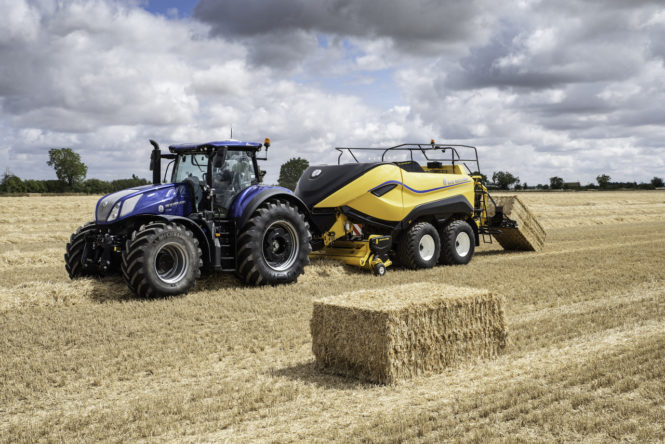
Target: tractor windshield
[(188, 165), (232, 176)]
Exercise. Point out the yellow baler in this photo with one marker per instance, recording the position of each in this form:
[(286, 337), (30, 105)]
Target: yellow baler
[(369, 214)]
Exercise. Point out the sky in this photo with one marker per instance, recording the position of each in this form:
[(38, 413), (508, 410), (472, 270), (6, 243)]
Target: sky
[(572, 88)]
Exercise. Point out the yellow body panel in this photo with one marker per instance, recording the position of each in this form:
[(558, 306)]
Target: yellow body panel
[(357, 196), (423, 188), (412, 190)]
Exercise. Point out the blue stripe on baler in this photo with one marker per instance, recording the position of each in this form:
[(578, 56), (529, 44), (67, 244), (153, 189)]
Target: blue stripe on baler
[(397, 182)]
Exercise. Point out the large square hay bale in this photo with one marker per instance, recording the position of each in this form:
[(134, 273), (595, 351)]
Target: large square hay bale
[(387, 334), (529, 234)]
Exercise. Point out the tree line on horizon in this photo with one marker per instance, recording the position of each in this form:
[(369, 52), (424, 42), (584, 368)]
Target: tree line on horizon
[(504, 180), (71, 173)]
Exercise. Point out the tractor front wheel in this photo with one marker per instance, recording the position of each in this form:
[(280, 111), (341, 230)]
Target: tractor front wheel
[(457, 243), (161, 259), (273, 246), (420, 246), (74, 253)]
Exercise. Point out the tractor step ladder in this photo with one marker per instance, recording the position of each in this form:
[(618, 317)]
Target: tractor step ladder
[(226, 237)]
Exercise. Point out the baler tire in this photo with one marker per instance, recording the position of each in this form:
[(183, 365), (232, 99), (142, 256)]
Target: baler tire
[(274, 245), (457, 243), (149, 252), (74, 251), (419, 246)]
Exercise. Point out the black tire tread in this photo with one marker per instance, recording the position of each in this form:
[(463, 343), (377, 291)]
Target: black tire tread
[(74, 251), (448, 235), (247, 270), (133, 257), (408, 245)]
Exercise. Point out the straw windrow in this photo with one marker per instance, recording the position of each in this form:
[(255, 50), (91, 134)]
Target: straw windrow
[(385, 335)]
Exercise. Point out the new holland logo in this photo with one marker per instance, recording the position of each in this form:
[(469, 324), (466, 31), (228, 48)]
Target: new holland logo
[(448, 182)]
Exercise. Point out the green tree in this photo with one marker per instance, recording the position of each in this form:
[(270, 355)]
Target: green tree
[(11, 183), (290, 172), (504, 179), (34, 186), (603, 180), (68, 166), (121, 184), (556, 183), (657, 182), (96, 186)]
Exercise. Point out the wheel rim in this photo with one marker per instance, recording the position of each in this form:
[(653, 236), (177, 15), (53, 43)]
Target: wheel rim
[(280, 245), (462, 244), (171, 262), (427, 247)]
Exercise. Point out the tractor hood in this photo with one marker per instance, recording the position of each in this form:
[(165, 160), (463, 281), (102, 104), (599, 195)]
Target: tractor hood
[(166, 199)]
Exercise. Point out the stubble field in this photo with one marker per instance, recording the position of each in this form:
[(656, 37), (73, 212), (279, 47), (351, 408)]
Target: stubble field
[(86, 361)]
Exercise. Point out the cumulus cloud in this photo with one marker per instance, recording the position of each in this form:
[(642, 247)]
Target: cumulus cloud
[(418, 21), (289, 28), (573, 88), (103, 77), (574, 83)]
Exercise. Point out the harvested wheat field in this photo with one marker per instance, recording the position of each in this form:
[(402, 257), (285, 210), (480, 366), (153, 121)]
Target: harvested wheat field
[(85, 361)]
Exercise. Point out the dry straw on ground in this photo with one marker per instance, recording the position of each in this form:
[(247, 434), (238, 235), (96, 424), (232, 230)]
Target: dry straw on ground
[(384, 335), (85, 361), (529, 234)]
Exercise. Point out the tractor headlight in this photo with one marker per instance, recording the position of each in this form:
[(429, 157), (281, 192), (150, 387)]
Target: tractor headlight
[(114, 212), (129, 205)]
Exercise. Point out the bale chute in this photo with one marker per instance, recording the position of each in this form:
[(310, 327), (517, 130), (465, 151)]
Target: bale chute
[(528, 235)]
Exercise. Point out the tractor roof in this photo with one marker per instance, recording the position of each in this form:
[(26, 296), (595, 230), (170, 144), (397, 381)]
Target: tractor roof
[(231, 143)]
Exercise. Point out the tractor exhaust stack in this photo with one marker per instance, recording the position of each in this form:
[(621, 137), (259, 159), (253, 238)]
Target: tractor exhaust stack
[(156, 163)]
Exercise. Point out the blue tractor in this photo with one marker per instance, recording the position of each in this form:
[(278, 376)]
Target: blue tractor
[(213, 216)]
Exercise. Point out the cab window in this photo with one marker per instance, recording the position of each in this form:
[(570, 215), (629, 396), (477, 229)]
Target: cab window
[(189, 165)]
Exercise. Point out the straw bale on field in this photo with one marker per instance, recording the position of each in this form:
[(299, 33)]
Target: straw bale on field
[(387, 334), (529, 234)]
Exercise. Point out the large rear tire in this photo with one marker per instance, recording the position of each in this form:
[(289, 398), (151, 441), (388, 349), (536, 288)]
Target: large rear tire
[(161, 259), (420, 246), (74, 253), (274, 245), (458, 243)]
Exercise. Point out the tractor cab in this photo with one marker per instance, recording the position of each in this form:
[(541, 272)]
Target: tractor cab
[(214, 172)]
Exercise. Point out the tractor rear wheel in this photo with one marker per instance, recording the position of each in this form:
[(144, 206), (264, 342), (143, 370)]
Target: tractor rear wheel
[(457, 243), (74, 253), (420, 246), (273, 246), (161, 259)]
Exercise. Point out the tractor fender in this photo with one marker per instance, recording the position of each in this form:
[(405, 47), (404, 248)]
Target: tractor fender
[(253, 197)]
